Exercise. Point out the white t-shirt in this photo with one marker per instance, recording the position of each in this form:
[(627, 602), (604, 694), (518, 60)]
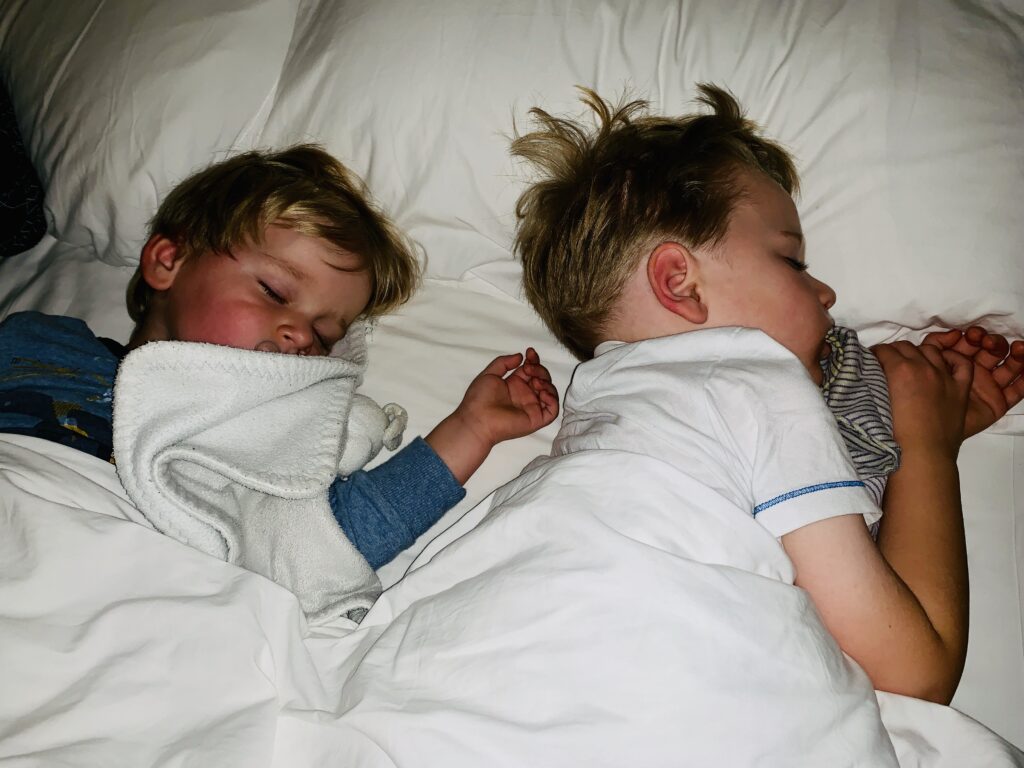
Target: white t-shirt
[(729, 407)]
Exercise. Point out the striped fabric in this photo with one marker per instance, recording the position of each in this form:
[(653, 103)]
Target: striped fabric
[(856, 392)]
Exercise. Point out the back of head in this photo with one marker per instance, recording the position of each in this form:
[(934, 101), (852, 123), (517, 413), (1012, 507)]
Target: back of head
[(301, 188), (608, 194)]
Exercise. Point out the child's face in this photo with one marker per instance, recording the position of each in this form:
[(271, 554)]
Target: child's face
[(758, 277), (291, 293)]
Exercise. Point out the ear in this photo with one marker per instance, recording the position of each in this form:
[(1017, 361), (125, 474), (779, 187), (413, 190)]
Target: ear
[(159, 262), (672, 273)]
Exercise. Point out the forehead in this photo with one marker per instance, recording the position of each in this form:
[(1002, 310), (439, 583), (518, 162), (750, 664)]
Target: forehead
[(762, 203), (298, 252)]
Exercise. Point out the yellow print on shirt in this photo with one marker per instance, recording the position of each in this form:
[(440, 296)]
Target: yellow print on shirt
[(61, 410), (24, 368)]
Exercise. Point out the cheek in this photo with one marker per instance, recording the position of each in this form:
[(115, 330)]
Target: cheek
[(220, 323), (797, 319)]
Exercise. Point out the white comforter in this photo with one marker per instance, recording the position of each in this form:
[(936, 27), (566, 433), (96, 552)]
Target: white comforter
[(548, 635)]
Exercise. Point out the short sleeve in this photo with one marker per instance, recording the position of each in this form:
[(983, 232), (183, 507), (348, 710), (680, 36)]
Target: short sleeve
[(775, 419)]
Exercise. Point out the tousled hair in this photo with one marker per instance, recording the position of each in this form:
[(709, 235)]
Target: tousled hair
[(607, 194), (302, 188)]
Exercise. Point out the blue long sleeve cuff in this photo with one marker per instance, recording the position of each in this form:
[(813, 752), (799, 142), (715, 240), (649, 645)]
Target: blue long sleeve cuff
[(382, 511)]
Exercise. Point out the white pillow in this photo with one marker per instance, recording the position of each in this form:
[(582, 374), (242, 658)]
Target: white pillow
[(120, 100), (904, 119)]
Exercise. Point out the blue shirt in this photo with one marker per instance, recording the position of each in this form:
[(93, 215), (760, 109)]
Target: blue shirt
[(56, 382)]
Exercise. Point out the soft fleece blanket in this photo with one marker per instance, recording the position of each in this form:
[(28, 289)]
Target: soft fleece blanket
[(232, 451)]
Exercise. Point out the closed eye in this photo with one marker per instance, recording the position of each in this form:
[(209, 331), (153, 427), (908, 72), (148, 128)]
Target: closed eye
[(799, 266), (274, 295)]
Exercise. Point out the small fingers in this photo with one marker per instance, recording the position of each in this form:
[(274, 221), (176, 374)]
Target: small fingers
[(968, 343), (994, 347), (1013, 393), (936, 356), (894, 352), (974, 336), (1009, 375), (530, 366), (502, 364), (549, 403), (960, 367), (906, 349), (986, 349), (533, 366), (536, 371), (540, 386), (943, 339), (911, 354), (541, 404)]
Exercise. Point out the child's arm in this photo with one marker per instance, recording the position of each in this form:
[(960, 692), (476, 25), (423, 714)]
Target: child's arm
[(998, 367), (900, 609), (512, 397), (383, 510)]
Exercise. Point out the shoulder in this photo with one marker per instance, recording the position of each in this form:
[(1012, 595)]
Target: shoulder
[(690, 355), (39, 324), (724, 369), (755, 369), (53, 338)]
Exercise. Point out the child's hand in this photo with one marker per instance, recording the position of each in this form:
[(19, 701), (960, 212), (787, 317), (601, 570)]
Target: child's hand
[(500, 405), (512, 397), (929, 388), (998, 384)]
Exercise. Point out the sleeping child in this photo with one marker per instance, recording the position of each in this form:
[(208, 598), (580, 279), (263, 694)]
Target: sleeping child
[(667, 254), (275, 252)]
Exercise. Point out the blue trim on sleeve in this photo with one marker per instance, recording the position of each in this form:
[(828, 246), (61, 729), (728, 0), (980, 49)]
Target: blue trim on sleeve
[(809, 489)]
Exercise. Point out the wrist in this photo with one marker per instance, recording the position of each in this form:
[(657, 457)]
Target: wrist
[(459, 445), (932, 453), (472, 429), (930, 442)]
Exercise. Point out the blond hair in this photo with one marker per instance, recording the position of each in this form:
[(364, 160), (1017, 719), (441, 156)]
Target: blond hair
[(608, 195), (302, 188)]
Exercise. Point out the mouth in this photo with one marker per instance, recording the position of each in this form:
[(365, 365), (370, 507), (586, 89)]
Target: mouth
[(824, 351), (267, 346)]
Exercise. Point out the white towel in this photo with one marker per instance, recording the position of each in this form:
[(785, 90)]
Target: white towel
[(232, 452)]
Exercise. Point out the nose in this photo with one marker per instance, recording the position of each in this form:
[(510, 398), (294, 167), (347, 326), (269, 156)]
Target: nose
[(295, 337), (826, 295)]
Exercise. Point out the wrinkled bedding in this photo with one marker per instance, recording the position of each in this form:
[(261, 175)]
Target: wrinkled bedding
[(551, 633)]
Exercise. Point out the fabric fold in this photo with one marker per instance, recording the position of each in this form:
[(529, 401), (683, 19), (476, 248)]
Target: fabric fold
[(233, 451)]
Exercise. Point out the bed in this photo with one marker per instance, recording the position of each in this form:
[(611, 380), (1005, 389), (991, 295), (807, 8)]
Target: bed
[(124, 647)]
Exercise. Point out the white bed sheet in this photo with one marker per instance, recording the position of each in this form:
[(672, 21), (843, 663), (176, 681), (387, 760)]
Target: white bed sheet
[(126, 647), (122, 646), (424, 355)]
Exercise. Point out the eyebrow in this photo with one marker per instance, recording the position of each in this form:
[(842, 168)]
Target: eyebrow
[(795, 235), (361, 263), (349, 270), (291, 269)]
